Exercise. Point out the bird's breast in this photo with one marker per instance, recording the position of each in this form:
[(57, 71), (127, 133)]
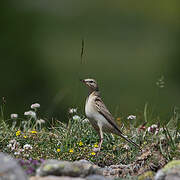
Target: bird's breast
[(89, 109), (93, 115)]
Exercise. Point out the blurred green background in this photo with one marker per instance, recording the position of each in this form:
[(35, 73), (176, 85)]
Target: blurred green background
[(128, 46)]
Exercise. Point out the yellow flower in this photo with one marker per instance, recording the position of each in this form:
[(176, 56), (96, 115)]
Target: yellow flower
[(93, 153), (96, 145), (80, 143), (58, 150), (71, 150), (118, 119), (18, 133), (34, 132), (25, 137)]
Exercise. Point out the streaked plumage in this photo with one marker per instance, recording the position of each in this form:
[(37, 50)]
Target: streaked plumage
[(98, 115)]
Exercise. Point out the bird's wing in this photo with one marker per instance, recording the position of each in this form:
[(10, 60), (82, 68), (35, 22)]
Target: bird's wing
[(101, 108)]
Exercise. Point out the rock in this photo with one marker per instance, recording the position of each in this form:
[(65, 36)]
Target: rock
[(56, 178), (97, 177), (171, 171), (116, 171), (9, 169), (65, 168), (91, 177)]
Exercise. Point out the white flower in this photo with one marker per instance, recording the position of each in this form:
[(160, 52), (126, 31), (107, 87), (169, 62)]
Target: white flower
[(26, 155), (40, 121), (17, 153), (14, 116), (30, 113), (149, 129), (13, 144), (76, 117), (27, 146), (153, 129), (85, 120), (9, 145), (72, 110), (12, 141), (35, 106), (154, 126), (21, 150), (131, 117)]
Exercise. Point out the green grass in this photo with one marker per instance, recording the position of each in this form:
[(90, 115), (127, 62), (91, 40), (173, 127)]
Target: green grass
[(76, 139)]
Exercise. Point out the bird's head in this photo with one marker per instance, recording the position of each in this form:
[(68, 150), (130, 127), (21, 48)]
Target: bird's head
[(91, 84)]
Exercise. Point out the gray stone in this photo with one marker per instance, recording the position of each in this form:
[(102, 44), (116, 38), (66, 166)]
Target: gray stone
[(85, 161), (171, 171), (65, 168), (9, 169), (56, 178), (116, 171), (97, 177)]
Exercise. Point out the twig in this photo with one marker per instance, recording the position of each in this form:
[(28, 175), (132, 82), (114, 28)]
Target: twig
[(82, 50)]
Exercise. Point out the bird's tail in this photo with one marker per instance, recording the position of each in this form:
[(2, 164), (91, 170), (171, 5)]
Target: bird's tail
[(128, 140)]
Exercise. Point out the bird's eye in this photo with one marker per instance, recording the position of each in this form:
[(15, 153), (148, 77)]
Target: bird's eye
[(91, 81)]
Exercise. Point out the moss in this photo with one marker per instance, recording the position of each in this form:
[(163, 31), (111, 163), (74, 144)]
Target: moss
[(171, 165), (47, 167), (76, 169), (146, 175), (61, 166)]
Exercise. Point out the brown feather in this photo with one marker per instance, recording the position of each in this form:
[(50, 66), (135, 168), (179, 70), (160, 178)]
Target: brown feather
[(101, 108)]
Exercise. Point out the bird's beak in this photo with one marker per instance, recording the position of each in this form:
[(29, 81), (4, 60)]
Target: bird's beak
[(82, 80)]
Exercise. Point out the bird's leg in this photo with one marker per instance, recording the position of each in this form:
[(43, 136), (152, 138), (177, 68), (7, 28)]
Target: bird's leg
[(100, 133), (101, 137), (100, 143)]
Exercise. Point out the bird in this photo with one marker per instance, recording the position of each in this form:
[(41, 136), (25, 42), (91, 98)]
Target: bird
[(98, 114)]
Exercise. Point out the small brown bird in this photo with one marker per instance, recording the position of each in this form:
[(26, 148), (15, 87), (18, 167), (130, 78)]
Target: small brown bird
[(98, 115)]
